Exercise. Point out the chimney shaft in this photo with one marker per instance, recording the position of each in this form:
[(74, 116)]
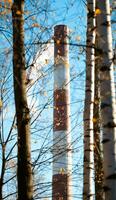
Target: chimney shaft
[(61, 188)]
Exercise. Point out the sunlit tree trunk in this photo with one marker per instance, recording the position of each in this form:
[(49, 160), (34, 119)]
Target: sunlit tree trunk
[(98, 157), (25, 189), (107, 92), (88, 189)]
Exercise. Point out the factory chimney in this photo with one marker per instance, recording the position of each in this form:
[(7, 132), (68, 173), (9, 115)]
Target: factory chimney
[(61, 182)]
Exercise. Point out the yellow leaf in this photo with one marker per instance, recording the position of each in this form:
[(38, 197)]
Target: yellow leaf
[(57, 41), (96, 101), (46, 61), (3, 12), (66, 64), (57, 124), (57, 96), (33, 18), (1, 104), (78, 38), (110, 10), (18, 12), (35, 25), (94, 120), (97, 11), (10, 1), (62, 171), (45, 93)]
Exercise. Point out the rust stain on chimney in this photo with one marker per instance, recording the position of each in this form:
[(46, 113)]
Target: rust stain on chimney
[(60, 40), (60, 186), (60, 110)]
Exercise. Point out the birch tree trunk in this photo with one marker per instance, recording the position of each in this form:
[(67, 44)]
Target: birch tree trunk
[(25, 189), (107, 92), (98, 157), (88, 190)]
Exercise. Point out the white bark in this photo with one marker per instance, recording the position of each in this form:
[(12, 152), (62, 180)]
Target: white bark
[(107, 91), (88, 190)]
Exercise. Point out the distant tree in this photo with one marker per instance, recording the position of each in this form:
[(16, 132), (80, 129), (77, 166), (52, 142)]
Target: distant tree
[(7, 144)]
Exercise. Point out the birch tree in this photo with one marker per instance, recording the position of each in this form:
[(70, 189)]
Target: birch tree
[(25, 189), (98, 160), (89, 99), (107, 92)]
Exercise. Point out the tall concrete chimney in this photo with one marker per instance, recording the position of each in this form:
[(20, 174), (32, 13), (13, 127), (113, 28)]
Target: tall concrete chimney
[(61, 183)]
